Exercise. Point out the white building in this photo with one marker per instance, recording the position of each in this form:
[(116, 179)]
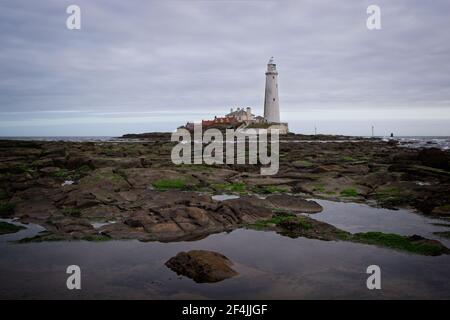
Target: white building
[(241, 114), (271, 103)]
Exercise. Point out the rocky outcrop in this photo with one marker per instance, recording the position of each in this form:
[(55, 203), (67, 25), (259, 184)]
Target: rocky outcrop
[(137, 186), (177, 215), (435, 158), (202, 266)]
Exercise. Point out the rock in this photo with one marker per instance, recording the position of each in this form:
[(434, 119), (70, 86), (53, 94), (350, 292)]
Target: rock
[(116, 162), (6, 228), (54, 151), (202, 266), (49, 170), (76, 161), (126, 188), (392, 142), (101, 212), (144, 177), (441, 210), (243, 210), (302, 226), (41, 163), (69, 225), (433, 157), (404, 157), (294, 203), (47, 182), (105, 179), (123, 231)]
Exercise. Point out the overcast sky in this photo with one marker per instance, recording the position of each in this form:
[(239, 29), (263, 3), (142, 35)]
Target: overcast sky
[(140, 66)]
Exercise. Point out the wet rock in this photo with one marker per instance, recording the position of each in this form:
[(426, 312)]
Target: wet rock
[(443, 210), (294, 203), (101, 212), (47, 182), (404, 157), (51, 171), (126, 191), (77, 161), (243, 210), (35, 203), (6, 228), (104, 179), (392, 142), (122, 231), (301, 226), (202, 266), (435, 158), (42, 163), (413, 244), (54, 151), (71, 226), (119, 163)]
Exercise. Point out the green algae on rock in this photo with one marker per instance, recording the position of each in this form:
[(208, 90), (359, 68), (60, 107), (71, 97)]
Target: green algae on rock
[(295, 226), (6, 228)]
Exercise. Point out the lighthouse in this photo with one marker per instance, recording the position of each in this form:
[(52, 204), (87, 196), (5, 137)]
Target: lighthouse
[(271, 103)]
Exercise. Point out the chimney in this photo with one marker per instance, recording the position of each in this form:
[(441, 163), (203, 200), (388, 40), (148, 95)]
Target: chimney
[(231, 110), (249, 110)]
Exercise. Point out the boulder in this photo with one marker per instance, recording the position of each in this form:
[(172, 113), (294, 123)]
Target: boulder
[(202, 266)]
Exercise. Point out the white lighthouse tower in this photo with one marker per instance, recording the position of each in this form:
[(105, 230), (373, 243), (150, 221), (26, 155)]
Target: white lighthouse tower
[(271, 103)]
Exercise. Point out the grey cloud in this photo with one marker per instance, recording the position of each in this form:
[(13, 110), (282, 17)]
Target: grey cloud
[(210, 55)]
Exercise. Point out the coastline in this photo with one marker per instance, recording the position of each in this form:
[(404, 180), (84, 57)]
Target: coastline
[(102, 196)]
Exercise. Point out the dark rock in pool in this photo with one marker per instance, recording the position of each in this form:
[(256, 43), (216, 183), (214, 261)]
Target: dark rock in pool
[(294, 203), (202, 266)]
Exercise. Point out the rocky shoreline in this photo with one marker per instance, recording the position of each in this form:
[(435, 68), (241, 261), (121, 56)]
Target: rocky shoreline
[(116, 190)]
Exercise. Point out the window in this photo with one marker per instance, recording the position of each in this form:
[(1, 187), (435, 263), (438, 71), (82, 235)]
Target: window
[(273, 99)]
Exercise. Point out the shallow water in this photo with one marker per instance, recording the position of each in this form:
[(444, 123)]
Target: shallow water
[(270, 265), (223, 197), (355, 217)]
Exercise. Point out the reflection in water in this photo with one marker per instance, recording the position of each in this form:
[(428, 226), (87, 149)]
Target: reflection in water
[(223, 197), (98, 225), (355, 217), (269, 265)]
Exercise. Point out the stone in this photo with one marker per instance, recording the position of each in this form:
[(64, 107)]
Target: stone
[(433, 157), (202, 266)]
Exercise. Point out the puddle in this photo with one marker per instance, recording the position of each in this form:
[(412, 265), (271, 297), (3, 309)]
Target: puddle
[(355, 217), (30, 230), (98, 225), (222, 197)]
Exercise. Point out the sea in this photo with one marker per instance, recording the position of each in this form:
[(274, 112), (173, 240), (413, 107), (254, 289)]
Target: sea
[(441, 142)]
